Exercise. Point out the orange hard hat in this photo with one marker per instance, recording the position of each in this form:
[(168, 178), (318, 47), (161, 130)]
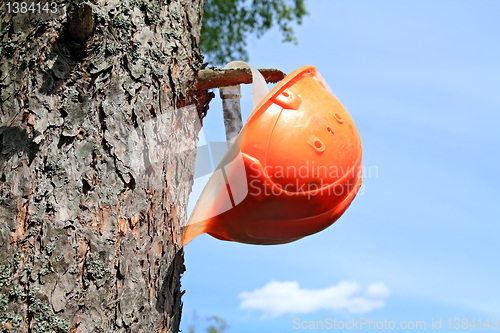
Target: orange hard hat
[(292, 171)]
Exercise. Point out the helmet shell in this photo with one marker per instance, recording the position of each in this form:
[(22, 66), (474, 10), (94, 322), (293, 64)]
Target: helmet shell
[(293, 170)]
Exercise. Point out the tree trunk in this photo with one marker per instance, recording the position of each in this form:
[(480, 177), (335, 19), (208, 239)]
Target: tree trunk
[(98, 131)]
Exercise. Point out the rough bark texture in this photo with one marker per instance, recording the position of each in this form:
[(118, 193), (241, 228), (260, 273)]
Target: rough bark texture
[(90, 228)]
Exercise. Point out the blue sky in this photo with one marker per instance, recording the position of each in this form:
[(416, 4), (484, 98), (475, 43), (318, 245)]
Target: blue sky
[(421, 80)]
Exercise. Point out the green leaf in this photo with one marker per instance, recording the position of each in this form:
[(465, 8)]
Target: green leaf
[(228, 23)]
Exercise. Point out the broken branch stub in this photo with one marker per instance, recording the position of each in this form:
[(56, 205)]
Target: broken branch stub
[(81, 23), (216, 78)]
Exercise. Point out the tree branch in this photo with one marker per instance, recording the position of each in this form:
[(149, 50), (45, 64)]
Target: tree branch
[(219, 77)]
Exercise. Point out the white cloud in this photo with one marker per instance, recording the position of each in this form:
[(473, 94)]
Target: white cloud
[(378, 289), (278, 298)]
